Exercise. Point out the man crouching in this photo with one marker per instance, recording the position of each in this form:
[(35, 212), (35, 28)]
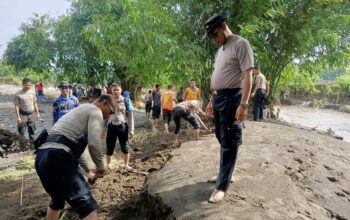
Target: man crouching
[(58, 153)]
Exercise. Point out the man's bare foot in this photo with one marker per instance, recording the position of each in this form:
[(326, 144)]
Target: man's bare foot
[(155, 130), (217, 196), (108, 167), (213, 179), (127, 167)]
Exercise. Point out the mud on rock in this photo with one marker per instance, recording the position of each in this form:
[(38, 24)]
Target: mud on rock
[(13, 143)]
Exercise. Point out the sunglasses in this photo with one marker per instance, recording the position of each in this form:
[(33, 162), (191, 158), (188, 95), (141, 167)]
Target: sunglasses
[(213, 34)]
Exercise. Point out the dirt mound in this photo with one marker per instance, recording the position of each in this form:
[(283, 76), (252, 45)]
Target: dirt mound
[(120, 192), (153, 207), (13, 143)]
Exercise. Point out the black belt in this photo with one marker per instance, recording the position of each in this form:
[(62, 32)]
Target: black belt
[(60, 139), (25, 113), (120, 125), (226, 91)]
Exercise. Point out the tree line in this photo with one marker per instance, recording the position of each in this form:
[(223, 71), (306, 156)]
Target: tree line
[(139, 43)]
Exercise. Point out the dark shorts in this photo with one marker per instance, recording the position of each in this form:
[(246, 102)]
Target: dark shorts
[(167, 115), (148, 106), (120, 131), (155, 112), (64, 181)]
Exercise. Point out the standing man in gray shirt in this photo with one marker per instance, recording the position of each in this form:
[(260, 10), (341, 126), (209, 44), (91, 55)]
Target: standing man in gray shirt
[(231, 84), (58, 154), (259, 94), (25, 105)]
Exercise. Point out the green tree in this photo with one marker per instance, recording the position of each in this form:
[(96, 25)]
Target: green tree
[(142, 40), (310, 33), (76, 57), (140, 43), (33, 48)]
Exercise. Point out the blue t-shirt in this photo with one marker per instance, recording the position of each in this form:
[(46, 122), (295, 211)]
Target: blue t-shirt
[(63, 105), (157, 99)]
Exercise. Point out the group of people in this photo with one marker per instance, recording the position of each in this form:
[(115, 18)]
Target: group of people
[(59, 151), (184, 104)]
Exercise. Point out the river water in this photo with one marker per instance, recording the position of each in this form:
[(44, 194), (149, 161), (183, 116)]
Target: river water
[(324, 119)]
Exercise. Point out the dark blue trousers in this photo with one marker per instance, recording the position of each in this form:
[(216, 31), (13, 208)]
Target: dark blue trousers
[(259, 104), (228, 133)]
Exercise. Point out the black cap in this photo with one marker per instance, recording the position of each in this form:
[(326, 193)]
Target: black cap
[(215, 21)]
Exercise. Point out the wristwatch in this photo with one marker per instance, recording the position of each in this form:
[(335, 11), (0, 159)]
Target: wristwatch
[(244, 106)]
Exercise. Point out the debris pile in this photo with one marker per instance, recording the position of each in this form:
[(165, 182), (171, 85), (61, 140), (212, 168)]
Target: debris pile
[(13, 143)]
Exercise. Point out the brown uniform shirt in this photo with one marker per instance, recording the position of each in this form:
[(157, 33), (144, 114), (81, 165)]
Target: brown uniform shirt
[(86, 119), (231, 60), (25, 100)]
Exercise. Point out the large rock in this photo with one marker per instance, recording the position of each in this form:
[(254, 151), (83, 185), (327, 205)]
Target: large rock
[(282, 173)]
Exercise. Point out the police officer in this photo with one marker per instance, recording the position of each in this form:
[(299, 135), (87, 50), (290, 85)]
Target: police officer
[(57, 158), (231, 83), (25, 106)]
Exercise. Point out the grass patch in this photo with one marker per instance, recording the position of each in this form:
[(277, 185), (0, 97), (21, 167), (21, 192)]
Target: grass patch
[(14, 171)]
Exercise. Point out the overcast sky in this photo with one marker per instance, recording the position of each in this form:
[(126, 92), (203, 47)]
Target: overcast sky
[(14, 12)]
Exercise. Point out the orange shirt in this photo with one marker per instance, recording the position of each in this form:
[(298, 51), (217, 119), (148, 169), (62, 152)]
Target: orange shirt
[(167, 100), (192, 94)]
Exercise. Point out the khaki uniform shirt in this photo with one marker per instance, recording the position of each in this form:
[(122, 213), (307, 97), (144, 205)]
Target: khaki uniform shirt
[(86, 119), (231, 60), (25, 100)]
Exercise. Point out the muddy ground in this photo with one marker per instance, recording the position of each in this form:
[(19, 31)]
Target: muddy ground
[(119, 193), (123, 195)]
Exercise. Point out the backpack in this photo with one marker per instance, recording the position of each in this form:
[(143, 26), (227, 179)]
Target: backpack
[(127, 104)]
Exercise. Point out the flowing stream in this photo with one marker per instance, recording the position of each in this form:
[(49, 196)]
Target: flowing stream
[(321, 119)]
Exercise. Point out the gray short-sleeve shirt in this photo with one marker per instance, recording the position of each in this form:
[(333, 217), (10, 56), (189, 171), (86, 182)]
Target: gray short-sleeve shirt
[(260, 78), (25, 100), (231, 60), (157, 99)]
